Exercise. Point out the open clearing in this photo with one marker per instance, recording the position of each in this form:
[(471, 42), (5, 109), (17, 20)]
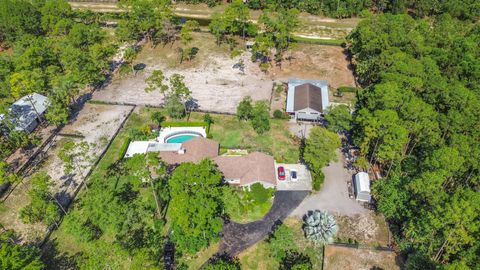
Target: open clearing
[(319, 62), (340, 258), (215, 85), (97, 124)]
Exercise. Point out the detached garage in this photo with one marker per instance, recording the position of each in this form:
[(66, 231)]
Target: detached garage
[(307, 99), (362, 187)]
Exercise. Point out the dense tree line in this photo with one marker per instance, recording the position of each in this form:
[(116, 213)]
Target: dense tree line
[(47, 48), (462, 9), (418, 119)]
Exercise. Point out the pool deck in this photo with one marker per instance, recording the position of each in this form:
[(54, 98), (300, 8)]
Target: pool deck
[(167, 132), (160, 144)]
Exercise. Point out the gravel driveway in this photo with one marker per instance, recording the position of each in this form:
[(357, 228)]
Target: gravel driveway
[(237, 237), (333, 195)]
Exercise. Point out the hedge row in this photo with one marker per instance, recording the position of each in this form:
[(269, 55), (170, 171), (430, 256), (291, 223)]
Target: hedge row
[(333, 42), (347, 89), (183, 124)]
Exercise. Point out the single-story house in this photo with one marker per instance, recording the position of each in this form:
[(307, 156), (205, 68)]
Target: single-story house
[(362, 187), (26, 113), (247, 170), (307, 99), (240, 171), (192, 150)]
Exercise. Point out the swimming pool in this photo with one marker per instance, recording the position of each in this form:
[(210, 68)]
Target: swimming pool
[(180, 138)]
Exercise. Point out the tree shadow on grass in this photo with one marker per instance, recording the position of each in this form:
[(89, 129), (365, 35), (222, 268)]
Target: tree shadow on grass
[(55, 259)]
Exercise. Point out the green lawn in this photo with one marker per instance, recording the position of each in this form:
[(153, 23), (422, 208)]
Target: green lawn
[(231, 133)]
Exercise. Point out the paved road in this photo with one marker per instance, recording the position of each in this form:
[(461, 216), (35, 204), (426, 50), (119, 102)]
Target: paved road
[(237, 237), (333, 196)]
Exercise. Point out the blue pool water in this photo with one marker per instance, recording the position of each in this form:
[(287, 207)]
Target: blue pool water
[(180, 138)]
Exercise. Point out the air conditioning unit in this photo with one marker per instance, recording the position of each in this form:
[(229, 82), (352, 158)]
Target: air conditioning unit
[(181, 151)]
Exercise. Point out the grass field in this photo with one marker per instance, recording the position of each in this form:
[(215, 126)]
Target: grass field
[(231, 133)]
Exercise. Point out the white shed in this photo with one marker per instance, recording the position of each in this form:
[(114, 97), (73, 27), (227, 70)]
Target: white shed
[(362, 187)]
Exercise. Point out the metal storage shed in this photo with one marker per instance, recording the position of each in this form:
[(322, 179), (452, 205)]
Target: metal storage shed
[(362, 187)]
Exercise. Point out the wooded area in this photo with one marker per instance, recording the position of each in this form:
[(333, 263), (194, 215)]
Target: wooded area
[(52, 50), (418, 118), (462, 9)]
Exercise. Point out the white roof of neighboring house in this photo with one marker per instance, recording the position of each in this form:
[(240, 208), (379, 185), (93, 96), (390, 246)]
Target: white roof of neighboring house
[(293, 83), (363, 182), (23, 113)]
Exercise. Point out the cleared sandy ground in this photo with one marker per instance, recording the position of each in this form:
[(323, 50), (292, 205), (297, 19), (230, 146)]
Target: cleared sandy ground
[(316, 62), (340, 258), (215, 84)]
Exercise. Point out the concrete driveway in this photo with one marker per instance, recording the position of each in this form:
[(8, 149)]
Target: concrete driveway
[(304, 179), (333, 195), (300, 129)]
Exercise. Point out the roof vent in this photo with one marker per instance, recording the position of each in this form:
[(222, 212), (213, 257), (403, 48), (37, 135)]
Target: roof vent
[(181, 151)]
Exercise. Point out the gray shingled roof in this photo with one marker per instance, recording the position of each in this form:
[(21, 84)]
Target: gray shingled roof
[(22, 113)]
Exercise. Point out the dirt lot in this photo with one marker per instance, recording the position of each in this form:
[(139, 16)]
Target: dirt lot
[(215, 85), (368, 228), (340, 258), (320, 62), (98, 124)]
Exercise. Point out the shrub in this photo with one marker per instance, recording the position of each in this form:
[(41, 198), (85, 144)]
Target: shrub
[(146, 130), (281, 241), (157, 117), (124, 148), (260, 194), (318, 179), (244, 109), (347, 89), (260, 117), (278, 114), (183, 124)]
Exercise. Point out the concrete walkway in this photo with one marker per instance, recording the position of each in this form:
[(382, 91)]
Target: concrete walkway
[(238, 237), (333, 195)]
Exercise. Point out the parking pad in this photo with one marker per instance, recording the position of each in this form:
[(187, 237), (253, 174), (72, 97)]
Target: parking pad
[(304, 178)]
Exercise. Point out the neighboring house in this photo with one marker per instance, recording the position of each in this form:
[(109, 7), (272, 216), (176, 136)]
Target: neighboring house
[(247, 170), (362, 187), (25, 113), (307, 100)]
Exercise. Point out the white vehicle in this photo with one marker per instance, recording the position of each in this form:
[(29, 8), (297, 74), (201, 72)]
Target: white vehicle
[(293, 175)]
